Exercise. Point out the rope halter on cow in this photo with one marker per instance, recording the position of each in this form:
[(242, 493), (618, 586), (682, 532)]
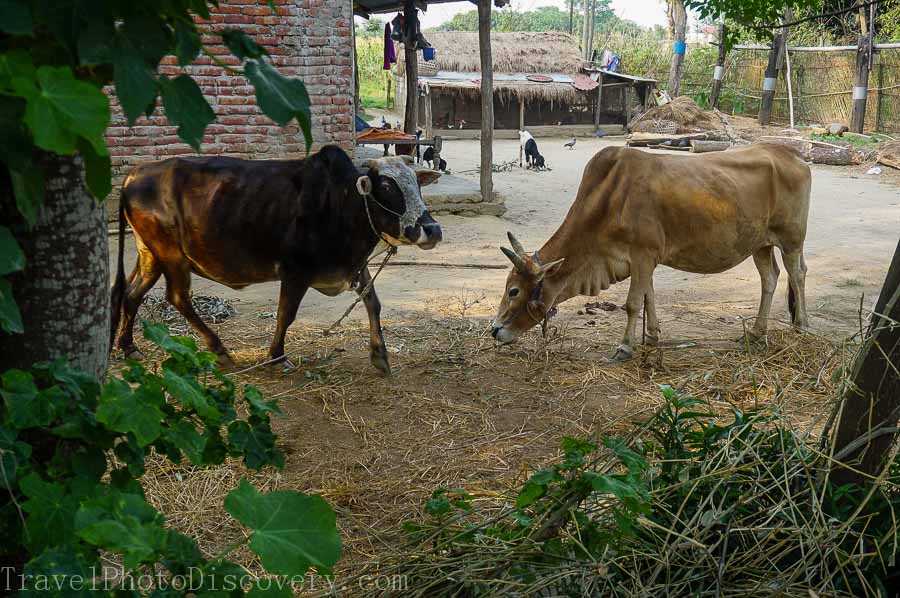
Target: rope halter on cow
[(535, 307)]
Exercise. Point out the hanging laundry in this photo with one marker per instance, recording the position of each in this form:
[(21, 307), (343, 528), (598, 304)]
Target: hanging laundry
[(390, 56)]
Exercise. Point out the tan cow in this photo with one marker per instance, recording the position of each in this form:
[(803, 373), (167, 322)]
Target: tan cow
[(636, 210)]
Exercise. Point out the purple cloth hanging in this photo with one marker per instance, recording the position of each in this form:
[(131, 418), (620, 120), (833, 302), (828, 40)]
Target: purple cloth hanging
[(390, 57)]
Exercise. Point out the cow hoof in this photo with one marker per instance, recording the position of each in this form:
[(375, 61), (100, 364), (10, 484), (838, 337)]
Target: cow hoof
[(623, 353), (224, 359), (381, 364), (651, 340), (133, 353)]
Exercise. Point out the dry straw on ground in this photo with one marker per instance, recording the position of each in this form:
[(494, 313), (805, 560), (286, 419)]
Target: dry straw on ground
[(459, 412)]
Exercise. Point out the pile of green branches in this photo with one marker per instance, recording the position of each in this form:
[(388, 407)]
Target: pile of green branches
[(688, 506)]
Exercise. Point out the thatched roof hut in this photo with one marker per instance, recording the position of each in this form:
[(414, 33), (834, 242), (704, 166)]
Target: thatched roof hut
[(516, 55)]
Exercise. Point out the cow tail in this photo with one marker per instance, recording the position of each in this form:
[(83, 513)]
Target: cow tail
[(118, 290)]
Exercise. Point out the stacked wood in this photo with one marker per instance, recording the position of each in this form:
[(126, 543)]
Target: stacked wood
[(647, 139), (889, 153), (700, 146), (835, 156)]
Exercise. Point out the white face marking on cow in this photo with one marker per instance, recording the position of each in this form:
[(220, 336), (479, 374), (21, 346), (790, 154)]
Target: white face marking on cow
[(405, 177)]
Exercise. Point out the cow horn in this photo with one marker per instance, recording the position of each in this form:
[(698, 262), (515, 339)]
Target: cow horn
[(517, 247), (516, 260)]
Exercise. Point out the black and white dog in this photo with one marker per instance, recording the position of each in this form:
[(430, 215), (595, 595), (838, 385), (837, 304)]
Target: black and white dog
[(533, 158), (428, 157)]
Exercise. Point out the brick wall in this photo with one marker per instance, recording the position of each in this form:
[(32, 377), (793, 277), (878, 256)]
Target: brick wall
[(310, 39)]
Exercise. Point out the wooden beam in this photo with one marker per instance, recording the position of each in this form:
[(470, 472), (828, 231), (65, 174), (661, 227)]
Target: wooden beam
[(521, 125), (487, 99), (411, 113), (599, 104), (429, 123)]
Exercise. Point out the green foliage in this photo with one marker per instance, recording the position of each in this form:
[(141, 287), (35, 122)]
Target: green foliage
[(72, 452), (697, 504), (12, 259), (544, 18), (57, 55), (851, 139)]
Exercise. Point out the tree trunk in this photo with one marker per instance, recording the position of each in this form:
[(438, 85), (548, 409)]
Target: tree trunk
[(63, 293), (571, 15), (487, 99), (872, 401), (678, 25), (771, 80), (719, 71)]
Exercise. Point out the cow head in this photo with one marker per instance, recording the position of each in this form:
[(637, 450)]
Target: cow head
[(522, 305), (398, 211)]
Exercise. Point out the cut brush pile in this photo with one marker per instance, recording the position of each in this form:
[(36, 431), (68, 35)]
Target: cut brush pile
[(687, 507)]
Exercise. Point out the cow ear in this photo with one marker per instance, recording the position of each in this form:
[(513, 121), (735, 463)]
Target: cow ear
[(364, 185), (552, 266), (426, 176)]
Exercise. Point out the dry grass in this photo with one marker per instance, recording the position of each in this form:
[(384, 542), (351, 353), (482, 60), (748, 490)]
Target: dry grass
[(459, 412), (684, 112)]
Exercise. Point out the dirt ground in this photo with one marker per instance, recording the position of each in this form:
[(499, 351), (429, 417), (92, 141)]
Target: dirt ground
[(458, 412)]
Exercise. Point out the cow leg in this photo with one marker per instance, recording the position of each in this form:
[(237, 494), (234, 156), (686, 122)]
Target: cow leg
[(142, 278), (768, 276), (289, 298), (640, 287), (178, 292), (652, 320), (796, 270), (377, 348)]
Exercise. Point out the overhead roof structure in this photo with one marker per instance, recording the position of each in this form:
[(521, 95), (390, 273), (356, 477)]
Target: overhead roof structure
[(366, 8)]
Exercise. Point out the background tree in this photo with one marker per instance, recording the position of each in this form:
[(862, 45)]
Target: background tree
[(55, 58), (677, 16)]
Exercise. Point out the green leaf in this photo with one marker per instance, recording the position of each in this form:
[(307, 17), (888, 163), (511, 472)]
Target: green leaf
[(158, 334), (51, 511), (281, 98), (62, 571), (65, 108), (190, 394), (62, 19), (257, 404), (15, 17), (26, 407), (10, 317), (151, 36), (123, 523), (256, 443), (241, 45), (97, 170), (610, 484), (188, 440), (28, 185), (134, 78), (633, 461), (13, 454), (186, 107), (123, 410), (270, 588), (12, 258), (17, 71), (291, 531), (530, 492), (187, 41)]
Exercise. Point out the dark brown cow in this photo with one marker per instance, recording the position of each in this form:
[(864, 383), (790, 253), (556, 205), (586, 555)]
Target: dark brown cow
[(307, 223)]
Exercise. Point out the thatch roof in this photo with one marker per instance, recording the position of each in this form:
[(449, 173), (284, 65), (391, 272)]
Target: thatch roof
[(518, 52), (550, 52)]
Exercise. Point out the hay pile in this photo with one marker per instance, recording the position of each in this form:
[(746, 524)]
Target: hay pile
[(681, 114)]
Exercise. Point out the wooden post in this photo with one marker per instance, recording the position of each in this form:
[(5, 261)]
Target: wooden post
[(599, 104), (411, 114), (719, 71), (871, 406), (487, 99), (387, 97), (679, 24), (438, 146), (878, 95), (521, 125), (770, 81), (429, 123), (860, 89), (627, 106)]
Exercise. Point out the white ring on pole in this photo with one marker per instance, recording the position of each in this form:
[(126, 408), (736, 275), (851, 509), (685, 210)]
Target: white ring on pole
[(769, 83), (718, 73), (859, 93)]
